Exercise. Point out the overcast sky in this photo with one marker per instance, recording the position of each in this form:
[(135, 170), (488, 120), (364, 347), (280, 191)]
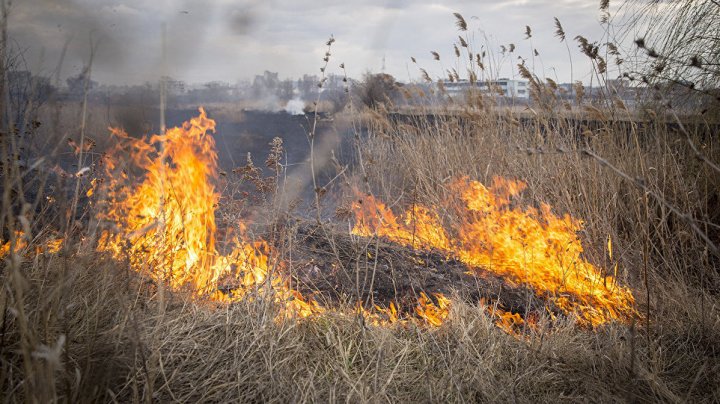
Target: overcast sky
[(231, 40)]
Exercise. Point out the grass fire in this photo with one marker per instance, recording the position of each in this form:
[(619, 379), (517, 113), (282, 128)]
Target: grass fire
[(531, 215), (528, 246)]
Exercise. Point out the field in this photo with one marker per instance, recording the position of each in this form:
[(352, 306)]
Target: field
[(450, 252)]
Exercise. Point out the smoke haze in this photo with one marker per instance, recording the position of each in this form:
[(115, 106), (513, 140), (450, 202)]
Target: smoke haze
[(230, 41)]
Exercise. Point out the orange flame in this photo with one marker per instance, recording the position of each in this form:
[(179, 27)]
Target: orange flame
[(20, 244), (527, 246), (434, 314), (427, 312), (165, 226), (48, 245), (159, 206)]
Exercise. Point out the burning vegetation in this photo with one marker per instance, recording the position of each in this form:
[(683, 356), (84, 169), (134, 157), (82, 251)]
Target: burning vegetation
[(157, 204), (165, 225), (565, 247), (529, 246)]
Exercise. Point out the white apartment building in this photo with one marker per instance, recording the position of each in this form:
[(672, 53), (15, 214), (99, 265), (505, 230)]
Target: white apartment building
[(502, 87)]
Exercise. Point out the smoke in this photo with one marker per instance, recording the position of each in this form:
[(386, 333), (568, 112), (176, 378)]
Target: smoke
[(43, 27), (127, 36), (296, 106)]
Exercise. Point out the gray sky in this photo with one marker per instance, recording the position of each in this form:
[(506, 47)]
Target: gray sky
[(230, 40)]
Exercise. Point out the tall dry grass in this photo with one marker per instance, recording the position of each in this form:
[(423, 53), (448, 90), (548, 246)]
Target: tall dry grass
[(93, 332)]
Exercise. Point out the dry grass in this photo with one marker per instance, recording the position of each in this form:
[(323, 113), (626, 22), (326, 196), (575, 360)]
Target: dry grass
[(127, 341)]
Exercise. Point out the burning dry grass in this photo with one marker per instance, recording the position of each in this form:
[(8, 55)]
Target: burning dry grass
[(529, 246), (81, 326), (165, 227), (624, 308), (631, 231)]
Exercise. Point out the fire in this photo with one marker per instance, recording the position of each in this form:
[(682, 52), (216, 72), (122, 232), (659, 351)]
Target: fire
[(20, 244), (528, 246), (160, 206), (426, 311), (49, 245), (158, 202), (511, 323), (434, 314)]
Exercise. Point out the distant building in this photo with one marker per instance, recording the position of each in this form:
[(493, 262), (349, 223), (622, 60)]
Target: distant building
[(504, 87), (619, 90)]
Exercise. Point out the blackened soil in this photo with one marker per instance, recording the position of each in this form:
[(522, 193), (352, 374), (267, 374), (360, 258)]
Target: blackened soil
[(339, 267)]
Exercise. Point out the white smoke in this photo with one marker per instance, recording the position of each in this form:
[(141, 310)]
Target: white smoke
[(296, 106)]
